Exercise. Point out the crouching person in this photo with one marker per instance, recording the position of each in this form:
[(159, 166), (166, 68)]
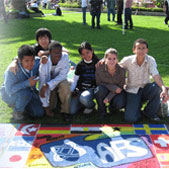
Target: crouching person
[(18, 89), (110, 78), (53, 81)]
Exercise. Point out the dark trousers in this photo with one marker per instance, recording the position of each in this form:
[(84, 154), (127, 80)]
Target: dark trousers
[(151, 93), (166, 18), (97, 15), (119, 16), (117, 102), (128, 13)]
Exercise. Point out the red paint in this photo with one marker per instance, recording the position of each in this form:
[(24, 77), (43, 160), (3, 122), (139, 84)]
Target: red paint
[(15, 158)]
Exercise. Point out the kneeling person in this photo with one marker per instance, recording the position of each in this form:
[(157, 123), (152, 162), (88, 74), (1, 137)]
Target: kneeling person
[(18, 89), (53, 81)]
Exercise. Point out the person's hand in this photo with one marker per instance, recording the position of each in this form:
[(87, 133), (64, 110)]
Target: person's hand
[(164, 95), (32, 81), (41, 53), (105, 100), (99, 63), (43, 90), (44, 59), (13, 66), (118, 90)]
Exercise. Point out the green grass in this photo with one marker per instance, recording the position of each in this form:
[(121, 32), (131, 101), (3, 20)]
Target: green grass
[(69, 30)]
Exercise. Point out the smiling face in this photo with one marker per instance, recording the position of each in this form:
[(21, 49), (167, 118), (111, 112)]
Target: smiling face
[(111, 60), (55, 55), (140, 50), (28, 62), (43, 41), (87, 54)]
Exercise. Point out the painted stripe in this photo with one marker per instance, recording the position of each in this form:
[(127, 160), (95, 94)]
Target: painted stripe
[(54, 132)]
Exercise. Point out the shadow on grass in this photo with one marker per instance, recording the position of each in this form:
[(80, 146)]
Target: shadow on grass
[(72, 34)]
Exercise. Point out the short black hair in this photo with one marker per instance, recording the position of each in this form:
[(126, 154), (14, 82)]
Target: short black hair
[(43, 32), (84, 45), (141, 41), (25, 50), (55, 45)]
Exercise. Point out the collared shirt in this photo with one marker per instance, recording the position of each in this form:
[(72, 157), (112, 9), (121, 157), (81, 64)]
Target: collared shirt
[(104, 78), (138, 76)]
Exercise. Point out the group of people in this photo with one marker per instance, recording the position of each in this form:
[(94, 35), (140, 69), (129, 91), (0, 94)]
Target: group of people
[(95, 7), (104, 80)]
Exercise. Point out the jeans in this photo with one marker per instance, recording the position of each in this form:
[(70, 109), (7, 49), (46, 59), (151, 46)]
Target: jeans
[(109, 11), (128, 13), (97, 15), (82, 100), (151, 93), (117, 102), (24, 100), (84, 14)]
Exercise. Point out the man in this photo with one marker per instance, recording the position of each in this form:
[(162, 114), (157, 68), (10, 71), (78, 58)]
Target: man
[(140, 67), (128, 13), (84, 4), (53, 81), (96, 6), (166, 8)]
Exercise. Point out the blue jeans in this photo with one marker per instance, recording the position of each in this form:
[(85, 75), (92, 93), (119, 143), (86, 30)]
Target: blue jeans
[(24, 100), (151, 93), (84, 14), (128, 14), (82, 100), (97, 15), (109, 11), (117, 102)]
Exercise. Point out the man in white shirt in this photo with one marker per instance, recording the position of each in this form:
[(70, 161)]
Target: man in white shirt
[(138, 87), (84, 7), (53, 81)]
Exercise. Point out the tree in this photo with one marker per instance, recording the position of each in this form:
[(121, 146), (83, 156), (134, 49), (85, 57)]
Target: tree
[(19, 5)]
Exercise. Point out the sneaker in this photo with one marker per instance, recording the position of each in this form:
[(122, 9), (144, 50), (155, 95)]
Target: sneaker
[(87, 111), (18, 115)]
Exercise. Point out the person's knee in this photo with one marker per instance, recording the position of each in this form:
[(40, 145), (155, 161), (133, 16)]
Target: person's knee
[(64, 87), (99, 91), (86, 99)]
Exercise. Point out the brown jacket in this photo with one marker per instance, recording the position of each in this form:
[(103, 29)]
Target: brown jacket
[(104, 78)]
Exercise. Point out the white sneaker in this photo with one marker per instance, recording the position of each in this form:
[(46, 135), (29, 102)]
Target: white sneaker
[(18, 115), (87, 111)]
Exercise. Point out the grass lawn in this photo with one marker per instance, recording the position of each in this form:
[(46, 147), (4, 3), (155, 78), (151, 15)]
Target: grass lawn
[(69, 30)]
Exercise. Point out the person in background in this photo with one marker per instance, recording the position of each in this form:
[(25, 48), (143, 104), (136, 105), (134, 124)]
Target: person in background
[(166, 9), (44, 4), (128, 14), (119, 11), (110, 80), (84, 81), (19, 89), (96, 7), (35, 7), (53, 81), (139, 88), (84, 4), (111, 9)]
